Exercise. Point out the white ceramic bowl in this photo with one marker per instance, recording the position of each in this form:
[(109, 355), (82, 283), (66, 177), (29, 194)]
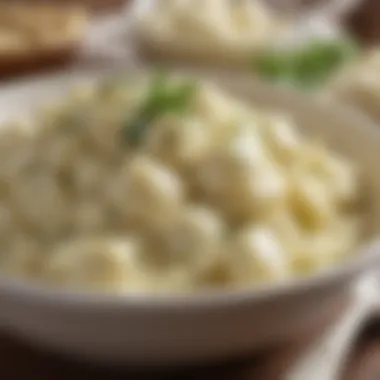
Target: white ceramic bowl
[(158, 330)]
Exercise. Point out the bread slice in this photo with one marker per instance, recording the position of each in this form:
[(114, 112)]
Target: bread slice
[(37, 35)]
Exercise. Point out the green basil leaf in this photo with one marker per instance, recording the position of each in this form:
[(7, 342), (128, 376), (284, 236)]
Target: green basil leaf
[(163, 97)]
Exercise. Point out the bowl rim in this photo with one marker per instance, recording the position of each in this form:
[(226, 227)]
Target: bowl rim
[(366, 258)]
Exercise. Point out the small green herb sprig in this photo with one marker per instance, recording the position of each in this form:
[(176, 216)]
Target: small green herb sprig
[(164, 97), (307, 67)]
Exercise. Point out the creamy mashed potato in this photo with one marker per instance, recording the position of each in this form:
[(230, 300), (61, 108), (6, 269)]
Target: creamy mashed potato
[(359, 84), (209, 30), (169, 185)]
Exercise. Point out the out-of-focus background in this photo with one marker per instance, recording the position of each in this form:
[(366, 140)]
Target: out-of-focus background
[(362, 23)]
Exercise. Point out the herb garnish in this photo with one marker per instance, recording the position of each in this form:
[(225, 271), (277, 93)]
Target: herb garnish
[(306, 67), (163, 97)]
